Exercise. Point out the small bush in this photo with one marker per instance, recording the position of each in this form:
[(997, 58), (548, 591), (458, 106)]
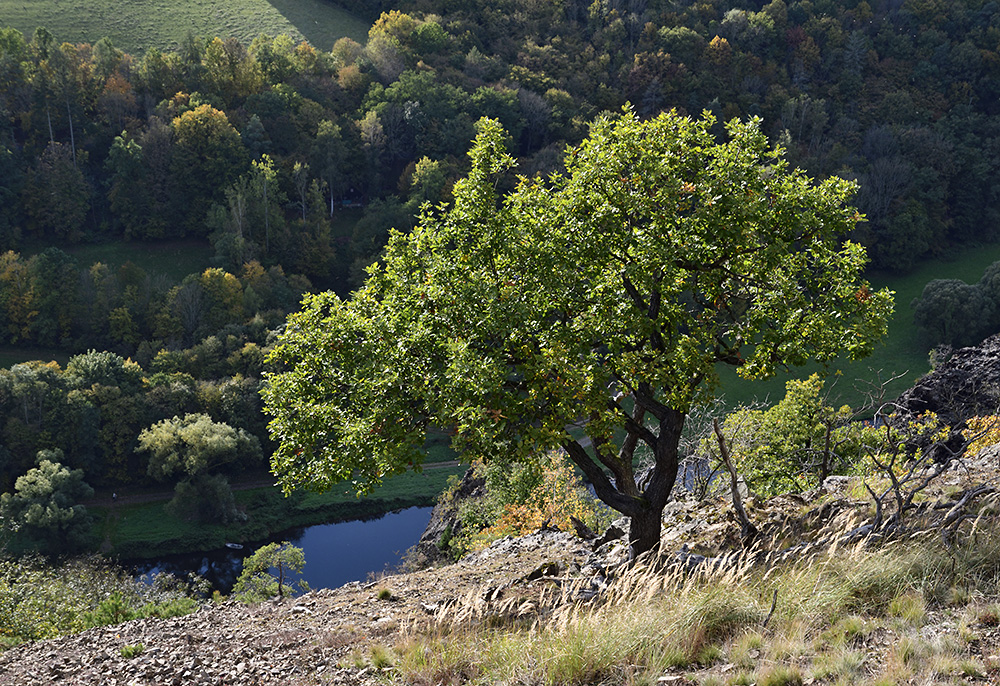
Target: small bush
[(177, 607), (39, 600), (130, 651), (838, 663), (846, 631), (971, 668), (910, 607), (990, 616), (113, 610), (521, 498), (381, 656)]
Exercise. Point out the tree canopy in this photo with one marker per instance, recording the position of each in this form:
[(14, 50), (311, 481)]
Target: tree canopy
[(194, 444), (46, 500), (588, 312)]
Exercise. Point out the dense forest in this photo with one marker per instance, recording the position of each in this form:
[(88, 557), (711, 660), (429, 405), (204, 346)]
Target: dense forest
[(255, 146), (259, 148)]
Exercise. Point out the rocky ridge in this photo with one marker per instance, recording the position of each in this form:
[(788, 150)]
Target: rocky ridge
[(323, 637), (965, 383)]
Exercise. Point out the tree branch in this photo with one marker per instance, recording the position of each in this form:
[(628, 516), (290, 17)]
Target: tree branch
[(603, 487), (747, 529), (634, 293)]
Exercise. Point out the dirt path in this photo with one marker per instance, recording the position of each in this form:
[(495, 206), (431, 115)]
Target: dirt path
[(111, 498)]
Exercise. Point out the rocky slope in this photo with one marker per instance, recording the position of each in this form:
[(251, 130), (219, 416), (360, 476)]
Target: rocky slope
[(325, 637), (297, 641)]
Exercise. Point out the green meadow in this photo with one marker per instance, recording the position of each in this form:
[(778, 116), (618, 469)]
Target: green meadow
[(137, 25), (904, 352), (11, 355), (148, 530), (172, 259)]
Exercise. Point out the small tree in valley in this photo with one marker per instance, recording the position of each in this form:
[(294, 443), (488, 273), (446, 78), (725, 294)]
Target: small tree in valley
[(269, 572)]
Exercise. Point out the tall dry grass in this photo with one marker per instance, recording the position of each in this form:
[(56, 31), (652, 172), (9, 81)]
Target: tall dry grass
[(771, 621)]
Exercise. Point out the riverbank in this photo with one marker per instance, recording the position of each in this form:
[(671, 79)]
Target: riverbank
[(141, 528)]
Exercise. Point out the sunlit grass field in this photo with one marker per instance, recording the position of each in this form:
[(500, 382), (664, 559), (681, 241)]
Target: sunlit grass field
[(914, 612), (904, 352), (137, 25)]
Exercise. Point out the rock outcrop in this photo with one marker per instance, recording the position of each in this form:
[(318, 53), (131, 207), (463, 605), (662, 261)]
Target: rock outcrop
[(432, 548), (964, 384)]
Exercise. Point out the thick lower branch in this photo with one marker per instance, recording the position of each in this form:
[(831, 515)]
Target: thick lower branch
[(603, 487)]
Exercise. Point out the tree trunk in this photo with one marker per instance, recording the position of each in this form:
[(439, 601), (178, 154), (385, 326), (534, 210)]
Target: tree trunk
[(267, 221), (747, 530), (644, 532), (643, 502), (72, 137)]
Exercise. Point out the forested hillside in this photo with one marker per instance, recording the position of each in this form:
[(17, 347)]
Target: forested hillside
[(903, 96), (268, 150)]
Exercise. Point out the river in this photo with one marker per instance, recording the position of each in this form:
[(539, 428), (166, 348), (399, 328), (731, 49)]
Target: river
[(335, 553)]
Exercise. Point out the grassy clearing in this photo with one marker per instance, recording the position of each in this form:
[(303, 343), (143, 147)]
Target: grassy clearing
[(170, 259), (147, 530), (852, 616), (11, 355), (343, 221), (173, 259), (137, 25), (903, 352)]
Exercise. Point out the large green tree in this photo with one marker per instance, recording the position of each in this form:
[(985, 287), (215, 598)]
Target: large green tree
[(46, 503), (195, 445), (589, 311)]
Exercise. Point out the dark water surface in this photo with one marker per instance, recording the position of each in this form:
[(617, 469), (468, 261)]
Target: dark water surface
[(335, 553)]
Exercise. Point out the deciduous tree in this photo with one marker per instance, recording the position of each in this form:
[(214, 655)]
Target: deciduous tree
[(257, 582), (46, 501), (208, 156), (589, 312), (194, 444)]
